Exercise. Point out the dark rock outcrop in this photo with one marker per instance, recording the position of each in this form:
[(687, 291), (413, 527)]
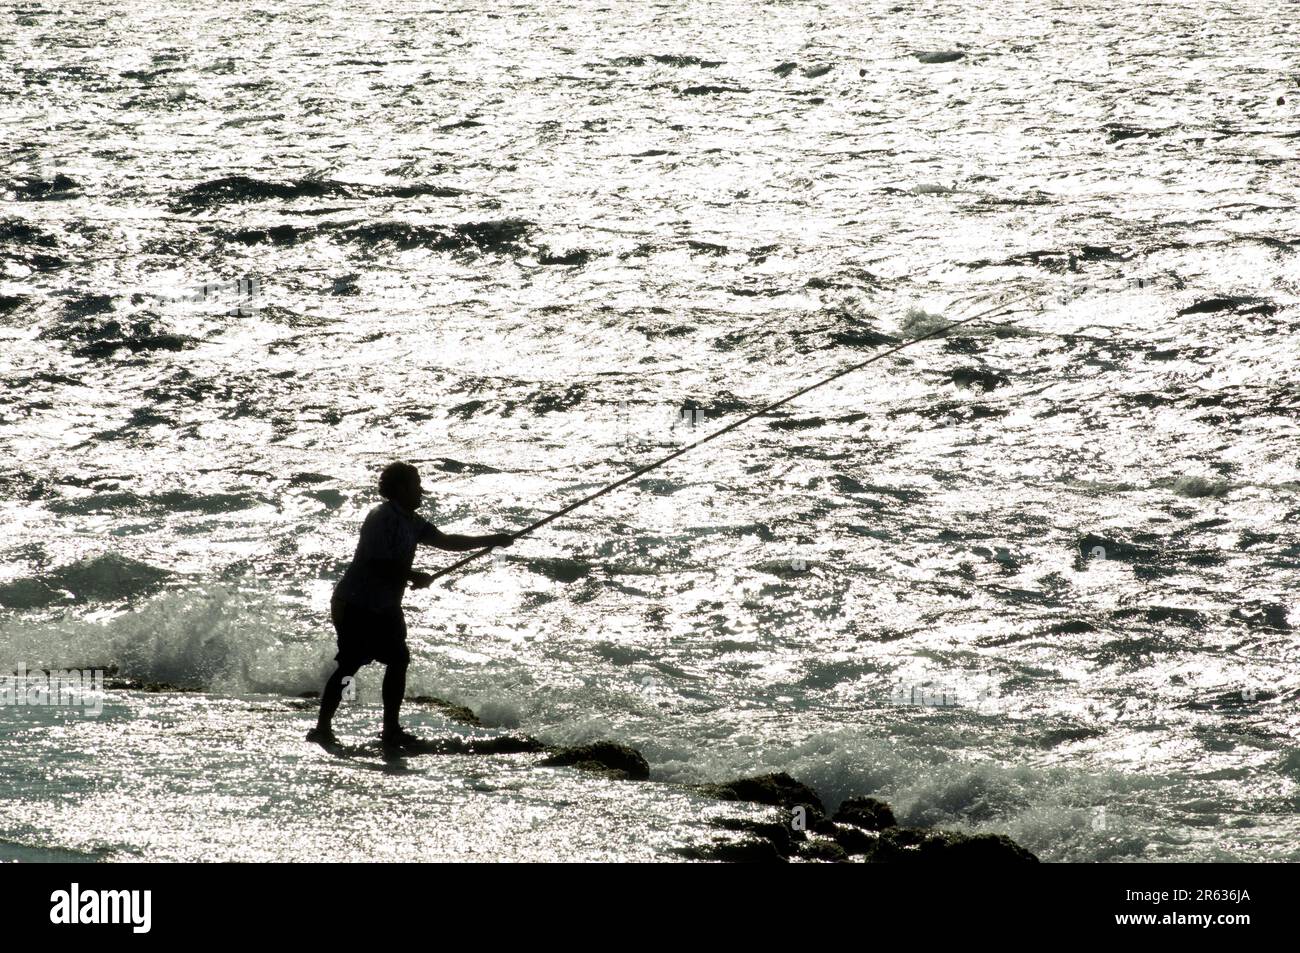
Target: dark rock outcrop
[(824, 851), (854, 840), (907, 844), (751, 850), (782, 837), (448, 709), (866, 813), (606, 757), (779, 790), (863, 827)]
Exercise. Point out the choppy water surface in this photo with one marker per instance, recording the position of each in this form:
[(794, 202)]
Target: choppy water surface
[(512, 243)]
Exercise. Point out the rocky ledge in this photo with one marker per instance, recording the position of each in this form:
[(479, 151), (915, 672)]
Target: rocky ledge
[(862, 829)]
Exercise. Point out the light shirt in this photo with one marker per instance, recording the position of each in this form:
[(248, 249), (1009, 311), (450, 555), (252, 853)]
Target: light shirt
[(388, 533)]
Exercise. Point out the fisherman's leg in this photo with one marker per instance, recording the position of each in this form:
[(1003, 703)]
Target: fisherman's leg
[(344, 618), (332, 695), (395, 689), (395, 674)]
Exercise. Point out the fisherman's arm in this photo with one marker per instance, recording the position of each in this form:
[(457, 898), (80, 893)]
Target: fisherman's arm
[(430, 535), (456, 543)]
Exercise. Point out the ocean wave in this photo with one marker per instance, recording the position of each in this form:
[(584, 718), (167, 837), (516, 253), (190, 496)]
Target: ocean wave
[(218, 639), (177, 501), (233, 189), (917, 322), (1061, 814), (501, 235), (86, 324), (1196, 487), (106, 578), (42, 189)]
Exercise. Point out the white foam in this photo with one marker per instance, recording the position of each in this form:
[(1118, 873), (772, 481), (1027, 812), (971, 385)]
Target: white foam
[(215, 638)]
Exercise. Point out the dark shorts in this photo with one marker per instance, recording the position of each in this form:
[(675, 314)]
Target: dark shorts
[(366, 636)]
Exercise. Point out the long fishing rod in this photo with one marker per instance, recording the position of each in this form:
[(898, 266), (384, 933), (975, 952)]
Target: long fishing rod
[(1001, 308)]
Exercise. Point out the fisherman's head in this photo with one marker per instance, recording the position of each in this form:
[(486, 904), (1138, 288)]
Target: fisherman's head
[(400, 482)]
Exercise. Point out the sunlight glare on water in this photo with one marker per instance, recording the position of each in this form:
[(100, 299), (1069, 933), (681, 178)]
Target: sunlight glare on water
[(511, 244)]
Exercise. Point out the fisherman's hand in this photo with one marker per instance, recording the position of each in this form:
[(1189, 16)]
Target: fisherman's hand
[(420, 580), (501, 539)]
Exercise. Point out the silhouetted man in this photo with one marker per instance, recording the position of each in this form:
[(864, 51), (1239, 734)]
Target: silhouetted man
[(367, 604)]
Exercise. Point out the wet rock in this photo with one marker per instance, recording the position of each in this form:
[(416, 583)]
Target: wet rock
[(778, 789), (449, 709), (824, 851), (867, 829), (505, 744), (855, 841), (906, 845), (748, 851), (781, 836), (866, 813), (605, 757)]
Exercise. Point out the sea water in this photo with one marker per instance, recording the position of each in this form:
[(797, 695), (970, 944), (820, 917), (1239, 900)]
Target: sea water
[(1035, 578)]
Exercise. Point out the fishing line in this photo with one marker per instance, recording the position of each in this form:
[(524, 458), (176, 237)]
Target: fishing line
[(1000, 308)]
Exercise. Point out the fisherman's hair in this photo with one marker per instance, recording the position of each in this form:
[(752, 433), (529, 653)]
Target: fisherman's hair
[(394, 476)]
